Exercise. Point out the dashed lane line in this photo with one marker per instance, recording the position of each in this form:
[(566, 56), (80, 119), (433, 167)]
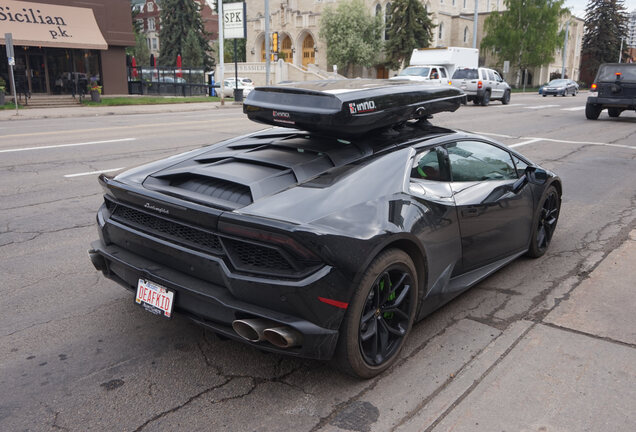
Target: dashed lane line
[(506, 106), (530, 141), (94, 172), (67, 145), (536, 107)]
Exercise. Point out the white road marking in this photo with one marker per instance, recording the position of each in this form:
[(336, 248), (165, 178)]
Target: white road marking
[(67, 145), (509, 105), (579, 108), (530, 141), (94, 172), (541, 106)]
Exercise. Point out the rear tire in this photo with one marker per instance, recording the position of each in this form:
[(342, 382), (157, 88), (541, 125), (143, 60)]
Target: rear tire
[(614, 112), (506, 98), (592, 111), (545, 221), (485, 99), (380, 317)]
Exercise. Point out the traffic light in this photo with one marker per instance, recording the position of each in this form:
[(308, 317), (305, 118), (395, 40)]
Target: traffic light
[(275, 42)]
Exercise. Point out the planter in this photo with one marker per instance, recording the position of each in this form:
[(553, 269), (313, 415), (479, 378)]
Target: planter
[(95, 96)]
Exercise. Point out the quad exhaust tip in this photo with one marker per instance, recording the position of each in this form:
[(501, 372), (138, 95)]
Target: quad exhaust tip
[(259, 330)]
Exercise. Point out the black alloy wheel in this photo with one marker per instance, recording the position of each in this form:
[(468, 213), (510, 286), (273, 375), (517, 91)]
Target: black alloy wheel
[(380, 316), (545, 222)]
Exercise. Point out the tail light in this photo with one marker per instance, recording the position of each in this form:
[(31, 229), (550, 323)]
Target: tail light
[(593, 88), (618, 75), (479, 84)]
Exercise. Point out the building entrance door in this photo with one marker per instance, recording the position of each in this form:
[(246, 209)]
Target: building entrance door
[(36, 73)]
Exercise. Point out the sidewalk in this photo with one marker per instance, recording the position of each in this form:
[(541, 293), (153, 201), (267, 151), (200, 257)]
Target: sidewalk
[(92, 111)]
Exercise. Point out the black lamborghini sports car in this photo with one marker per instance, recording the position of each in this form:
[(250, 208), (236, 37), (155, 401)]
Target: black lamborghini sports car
[(329, 237)]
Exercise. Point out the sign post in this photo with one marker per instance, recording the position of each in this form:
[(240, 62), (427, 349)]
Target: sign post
[(234, 27), (8, 40)]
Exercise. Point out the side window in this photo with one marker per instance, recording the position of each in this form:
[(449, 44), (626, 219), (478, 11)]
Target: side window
[(491, 75), (498, 78), (521, 166), (442, 71), (478, 161), (429, 165), (434, 74)]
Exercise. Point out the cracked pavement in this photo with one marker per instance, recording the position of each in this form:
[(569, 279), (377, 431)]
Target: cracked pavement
[(542, 345)]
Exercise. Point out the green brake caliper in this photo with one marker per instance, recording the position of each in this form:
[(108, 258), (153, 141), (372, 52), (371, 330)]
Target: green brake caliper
[(387, 315)]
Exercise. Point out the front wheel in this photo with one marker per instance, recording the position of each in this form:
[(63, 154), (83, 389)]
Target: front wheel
[(380, 316), (545, 221), (592, 111), (506, 98)]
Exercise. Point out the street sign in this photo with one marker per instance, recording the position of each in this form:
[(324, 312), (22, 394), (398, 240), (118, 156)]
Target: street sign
[(11, 61), (8, 40), (506, 66), (234, 22)]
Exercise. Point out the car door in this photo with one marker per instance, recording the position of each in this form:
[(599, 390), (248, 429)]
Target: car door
[(496, 91), (494, 219)]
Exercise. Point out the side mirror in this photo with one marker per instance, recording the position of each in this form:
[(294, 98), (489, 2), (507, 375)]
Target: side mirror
[(536, 175)]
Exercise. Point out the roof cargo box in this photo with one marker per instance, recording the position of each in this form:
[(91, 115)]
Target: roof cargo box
[(348, 107)]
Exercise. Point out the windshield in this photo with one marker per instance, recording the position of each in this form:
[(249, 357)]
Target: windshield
[(558, 82), (608, 72), (465, 74), (415, 71)]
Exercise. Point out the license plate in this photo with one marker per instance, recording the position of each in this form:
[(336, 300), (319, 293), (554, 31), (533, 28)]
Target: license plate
[(463, 86), (155, 298)]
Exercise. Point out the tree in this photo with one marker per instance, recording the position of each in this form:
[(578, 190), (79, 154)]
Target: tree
[(408, 27), (353, 36), (527, 33), (180, 19), (605, 23), (192, 56), (140, 50)]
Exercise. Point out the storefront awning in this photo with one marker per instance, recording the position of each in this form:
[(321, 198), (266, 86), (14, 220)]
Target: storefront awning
[(44, 25)]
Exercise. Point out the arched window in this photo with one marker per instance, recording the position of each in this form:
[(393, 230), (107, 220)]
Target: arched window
[(387, 18), (440, 34), (465, 34), (378, 9)]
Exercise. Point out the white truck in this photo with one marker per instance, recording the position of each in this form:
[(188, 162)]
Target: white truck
[(436, 65)]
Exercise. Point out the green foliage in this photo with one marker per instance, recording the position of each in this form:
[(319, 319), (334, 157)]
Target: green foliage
[(228, 47), (605, 23), (141, 50), (527, 33), (192, 56), (353, 36), (3, 84), (180, 19), (409, 27)]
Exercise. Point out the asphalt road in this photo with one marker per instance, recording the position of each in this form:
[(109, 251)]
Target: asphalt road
[(77, 354)]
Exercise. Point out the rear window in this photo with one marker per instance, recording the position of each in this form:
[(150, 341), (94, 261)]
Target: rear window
[(415, 71), (465, 74), (608, 72)]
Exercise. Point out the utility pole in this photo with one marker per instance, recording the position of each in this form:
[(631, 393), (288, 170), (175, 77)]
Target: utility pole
[(475, 19), (620, 51), (565, 48), (268, 42)]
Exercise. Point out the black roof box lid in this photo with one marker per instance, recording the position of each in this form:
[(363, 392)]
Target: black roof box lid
[(348, 107)]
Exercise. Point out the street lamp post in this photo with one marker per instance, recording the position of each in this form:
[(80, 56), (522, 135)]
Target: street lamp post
[(620, 51)]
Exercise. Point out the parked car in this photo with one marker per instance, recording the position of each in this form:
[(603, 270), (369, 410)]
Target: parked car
[(172, 80), (433, 74), (614, 88), (481, 85), (328, 241), (229, 85), (562, 87)]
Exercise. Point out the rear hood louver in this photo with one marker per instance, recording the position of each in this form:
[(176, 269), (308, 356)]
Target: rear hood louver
[(238, 175)]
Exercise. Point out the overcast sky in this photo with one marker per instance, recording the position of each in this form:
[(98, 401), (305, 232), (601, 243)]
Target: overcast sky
[(578, 6)]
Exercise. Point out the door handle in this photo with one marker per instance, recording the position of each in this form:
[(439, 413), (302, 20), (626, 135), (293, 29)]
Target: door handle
[(470, 212)]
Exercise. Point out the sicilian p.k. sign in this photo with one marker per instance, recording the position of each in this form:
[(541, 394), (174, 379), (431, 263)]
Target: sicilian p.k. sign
[(38, 24)]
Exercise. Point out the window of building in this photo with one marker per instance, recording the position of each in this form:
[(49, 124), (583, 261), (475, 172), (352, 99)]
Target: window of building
[(154, 43), (148, 43), (150, 7), (151, 24), (440, 32), (464, 4), (378, 9), (465, 34)]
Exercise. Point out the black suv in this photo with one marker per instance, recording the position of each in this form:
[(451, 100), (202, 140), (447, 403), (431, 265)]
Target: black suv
[(614, 88)]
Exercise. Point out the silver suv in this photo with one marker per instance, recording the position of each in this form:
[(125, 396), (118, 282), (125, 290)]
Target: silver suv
[(481, 85)]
